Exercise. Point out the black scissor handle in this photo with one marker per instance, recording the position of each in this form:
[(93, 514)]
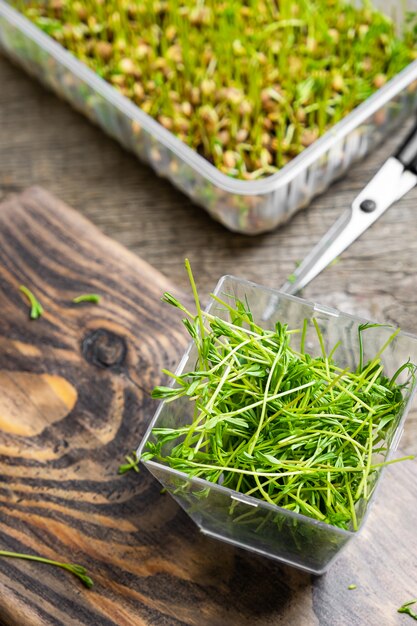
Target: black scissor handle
[(407, 152)]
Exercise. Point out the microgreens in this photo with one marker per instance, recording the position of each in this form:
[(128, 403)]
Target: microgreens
[(87, 297), (36, 308), (77, 570), (275, 422), (248, 85)]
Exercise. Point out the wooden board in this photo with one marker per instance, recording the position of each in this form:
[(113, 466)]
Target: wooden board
[(74, 397)]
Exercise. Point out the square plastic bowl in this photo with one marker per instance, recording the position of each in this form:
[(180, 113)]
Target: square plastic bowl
[(249, 522)]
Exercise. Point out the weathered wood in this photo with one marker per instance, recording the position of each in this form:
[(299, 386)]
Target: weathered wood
[(74, 397)]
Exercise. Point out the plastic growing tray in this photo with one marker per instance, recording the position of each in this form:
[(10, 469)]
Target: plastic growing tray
[(245, 206)]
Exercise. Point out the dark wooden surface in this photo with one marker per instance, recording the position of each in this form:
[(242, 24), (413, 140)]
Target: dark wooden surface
[(42, 141)]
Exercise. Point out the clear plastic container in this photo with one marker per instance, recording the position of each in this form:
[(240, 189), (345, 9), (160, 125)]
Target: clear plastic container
[(249, 207), (249, 522)]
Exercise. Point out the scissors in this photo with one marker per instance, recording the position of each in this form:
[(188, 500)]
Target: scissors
[(396, 177)]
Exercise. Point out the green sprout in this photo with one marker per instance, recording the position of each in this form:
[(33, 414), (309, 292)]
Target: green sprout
[(36, 309), (248, 85), (78, 571), (131, 464), (405, 608), (87, 297)]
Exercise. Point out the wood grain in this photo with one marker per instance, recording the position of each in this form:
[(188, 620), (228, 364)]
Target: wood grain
[(81, 377)]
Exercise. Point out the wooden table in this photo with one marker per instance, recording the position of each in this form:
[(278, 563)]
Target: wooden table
[(44, 142)]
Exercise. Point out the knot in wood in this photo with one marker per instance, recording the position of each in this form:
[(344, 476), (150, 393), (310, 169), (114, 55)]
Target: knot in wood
[(104, 348)]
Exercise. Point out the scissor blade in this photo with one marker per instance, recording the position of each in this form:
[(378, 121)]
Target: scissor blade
[(326, 251), (389, 184)]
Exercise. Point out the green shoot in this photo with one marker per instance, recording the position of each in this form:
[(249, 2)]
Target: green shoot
[(77, 570), (87, 297), (196, 298), (131, 464), (36, 308), (405, 608), (352, 586)]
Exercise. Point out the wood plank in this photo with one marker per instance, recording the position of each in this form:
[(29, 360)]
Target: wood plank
[(74, 396), (81, 377)]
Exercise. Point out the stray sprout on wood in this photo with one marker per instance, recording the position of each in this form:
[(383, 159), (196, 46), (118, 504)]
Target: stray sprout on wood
[(87, 297), (406, 608), (77, 570), (36, 308), (278, 423), (131, 464)]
